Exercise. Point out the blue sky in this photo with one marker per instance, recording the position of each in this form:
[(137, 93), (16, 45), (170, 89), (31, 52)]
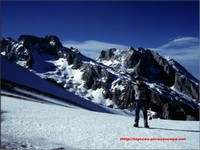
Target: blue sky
[(150, 24)]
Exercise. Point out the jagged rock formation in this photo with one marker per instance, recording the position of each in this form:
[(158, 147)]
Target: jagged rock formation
[(109, 81)]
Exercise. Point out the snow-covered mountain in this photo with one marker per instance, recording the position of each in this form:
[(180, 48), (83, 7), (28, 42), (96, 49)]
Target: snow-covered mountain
[(109, 80), (25, 83)]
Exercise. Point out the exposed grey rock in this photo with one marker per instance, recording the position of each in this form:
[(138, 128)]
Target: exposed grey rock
[(77, 63), (186, 86), (132, 59), (96, 77), (105, 55)]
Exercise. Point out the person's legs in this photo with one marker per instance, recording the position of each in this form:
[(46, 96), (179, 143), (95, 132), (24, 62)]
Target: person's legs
[(144, 110), (137, 111)]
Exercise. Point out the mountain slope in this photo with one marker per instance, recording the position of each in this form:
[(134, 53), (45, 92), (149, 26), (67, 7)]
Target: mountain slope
[(32, 125), (153, 67), (109, 81), (23, 77)]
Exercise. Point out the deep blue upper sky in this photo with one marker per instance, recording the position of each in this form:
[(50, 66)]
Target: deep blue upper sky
[(147, 24)]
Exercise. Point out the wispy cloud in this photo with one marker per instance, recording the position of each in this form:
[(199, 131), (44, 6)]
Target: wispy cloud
[(92, 48), (181, 42), (185, 50)]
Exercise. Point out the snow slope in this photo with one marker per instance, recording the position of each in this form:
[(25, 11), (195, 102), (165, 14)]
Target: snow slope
[(17, 74), (33, 125)]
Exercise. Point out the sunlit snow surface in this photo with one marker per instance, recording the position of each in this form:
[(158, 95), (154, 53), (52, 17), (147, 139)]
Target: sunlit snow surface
[(33, 125), (72, 81)]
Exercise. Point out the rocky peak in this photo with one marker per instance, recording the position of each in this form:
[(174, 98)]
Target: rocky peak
[(53, 40), (106, 55), (29, 39), (132, 58), (156, 68)]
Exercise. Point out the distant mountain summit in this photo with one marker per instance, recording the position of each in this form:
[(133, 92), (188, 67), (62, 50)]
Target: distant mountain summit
[(109, 80), (153, 67)]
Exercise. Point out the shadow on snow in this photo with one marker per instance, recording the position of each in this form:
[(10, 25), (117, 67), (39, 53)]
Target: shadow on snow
[(169, 129)]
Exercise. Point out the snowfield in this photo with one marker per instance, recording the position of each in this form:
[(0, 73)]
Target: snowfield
[(33, 125)]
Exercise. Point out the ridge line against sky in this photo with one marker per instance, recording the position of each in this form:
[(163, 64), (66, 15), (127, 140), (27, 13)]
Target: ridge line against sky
[(184, 50)]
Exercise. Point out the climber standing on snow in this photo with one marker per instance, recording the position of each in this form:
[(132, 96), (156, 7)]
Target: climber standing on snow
[(141, 101)]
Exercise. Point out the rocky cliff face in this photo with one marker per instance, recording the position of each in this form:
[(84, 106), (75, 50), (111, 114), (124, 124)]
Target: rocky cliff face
[(153, 67), (109, 81)]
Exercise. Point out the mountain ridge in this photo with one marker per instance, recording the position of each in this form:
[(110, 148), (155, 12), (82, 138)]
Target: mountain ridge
[(108, 81)]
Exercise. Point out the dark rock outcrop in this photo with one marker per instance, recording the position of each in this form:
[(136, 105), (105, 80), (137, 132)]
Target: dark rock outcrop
[(105, 55), (96, 77), (186, 86)]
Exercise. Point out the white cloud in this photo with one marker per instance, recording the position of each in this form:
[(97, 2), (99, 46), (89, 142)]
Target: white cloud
[(92, 48), (181, 42), (185, 50)]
